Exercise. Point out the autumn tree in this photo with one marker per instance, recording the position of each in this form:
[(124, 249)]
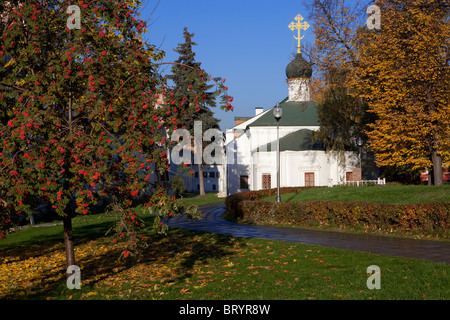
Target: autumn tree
[(84, 114), (185, 79), (343, 116), (403, 73)]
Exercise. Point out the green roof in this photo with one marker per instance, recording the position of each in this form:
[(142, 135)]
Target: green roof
[(302, 113), (299, 140)]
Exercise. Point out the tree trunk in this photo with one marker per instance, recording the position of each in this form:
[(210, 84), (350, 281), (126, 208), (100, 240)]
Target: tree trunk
[(200, 180), (68, 240), (437, 168)]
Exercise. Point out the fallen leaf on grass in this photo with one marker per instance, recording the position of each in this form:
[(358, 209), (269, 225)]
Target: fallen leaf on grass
[(184, 291)]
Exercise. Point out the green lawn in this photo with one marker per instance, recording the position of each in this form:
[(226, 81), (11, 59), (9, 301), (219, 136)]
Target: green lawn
[(223, 267), (209, 198), (194, 265), (381, 194)]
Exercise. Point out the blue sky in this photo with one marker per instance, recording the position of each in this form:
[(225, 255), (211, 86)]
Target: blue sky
[(248, 42)]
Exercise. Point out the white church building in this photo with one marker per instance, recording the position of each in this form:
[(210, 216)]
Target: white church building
[(250, 146)]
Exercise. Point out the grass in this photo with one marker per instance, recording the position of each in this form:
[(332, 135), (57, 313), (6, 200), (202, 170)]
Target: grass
[(209, 198), (395, 194), (193, 265)]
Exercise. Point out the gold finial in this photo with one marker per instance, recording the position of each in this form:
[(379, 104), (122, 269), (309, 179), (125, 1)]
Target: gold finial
[(299, 26)]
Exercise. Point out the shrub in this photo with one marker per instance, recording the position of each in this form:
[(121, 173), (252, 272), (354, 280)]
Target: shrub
[(233, 200), (427, 219)]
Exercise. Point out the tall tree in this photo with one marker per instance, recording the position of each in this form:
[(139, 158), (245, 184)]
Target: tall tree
[(185, 78), (343, 116), (81, 115), (403, 72)]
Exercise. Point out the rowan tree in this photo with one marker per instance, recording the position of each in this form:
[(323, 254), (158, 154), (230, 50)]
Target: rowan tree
[(84, 115), (403, 73)]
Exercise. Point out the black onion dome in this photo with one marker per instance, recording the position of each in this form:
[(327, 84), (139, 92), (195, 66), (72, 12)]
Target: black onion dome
[(299, 68)]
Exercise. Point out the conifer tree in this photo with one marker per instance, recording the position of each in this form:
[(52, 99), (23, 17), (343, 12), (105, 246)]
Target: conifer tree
[(185, 79)]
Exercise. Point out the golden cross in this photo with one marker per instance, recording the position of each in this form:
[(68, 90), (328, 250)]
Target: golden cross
[(299, 26)]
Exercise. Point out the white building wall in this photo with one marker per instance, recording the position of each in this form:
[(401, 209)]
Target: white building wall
[(299, 89), (294, 164)]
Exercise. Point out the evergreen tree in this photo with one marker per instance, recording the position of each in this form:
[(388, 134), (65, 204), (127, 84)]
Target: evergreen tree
[(185, 78)]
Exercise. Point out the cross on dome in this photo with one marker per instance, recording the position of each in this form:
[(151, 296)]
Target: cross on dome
[(299, 26)]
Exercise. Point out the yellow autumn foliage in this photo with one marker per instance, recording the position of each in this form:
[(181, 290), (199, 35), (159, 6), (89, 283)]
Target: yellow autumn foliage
[(34, 270), (403, 74)]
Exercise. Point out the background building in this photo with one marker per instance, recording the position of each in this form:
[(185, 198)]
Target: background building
[(250, 146)]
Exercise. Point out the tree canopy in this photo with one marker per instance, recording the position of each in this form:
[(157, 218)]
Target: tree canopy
[(387, 85), (185, 79), (403, 73), (84, 114)]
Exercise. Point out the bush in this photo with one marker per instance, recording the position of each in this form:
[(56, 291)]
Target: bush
[(232, 201), (426, 219)]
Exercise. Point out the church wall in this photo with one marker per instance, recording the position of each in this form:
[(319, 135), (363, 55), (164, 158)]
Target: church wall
[(299, 89), (307, 162), (238, 163), (296, 164)]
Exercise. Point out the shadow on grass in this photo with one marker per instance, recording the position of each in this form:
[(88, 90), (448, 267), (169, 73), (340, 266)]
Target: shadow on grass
[(288, 197), (183, 250), (218, 246), (180, 249), (37, 241)]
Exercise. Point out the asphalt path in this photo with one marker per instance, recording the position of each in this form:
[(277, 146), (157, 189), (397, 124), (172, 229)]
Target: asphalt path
[(212, 221)]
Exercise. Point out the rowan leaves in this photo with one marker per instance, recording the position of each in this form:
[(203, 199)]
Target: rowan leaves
[(84, 113)]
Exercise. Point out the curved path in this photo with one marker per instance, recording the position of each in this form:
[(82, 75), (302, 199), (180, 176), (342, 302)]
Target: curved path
[(213, 222)]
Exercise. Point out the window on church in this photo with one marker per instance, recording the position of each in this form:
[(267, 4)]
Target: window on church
[(309, 179), (244, 182), (211, 174), (266, 181), (349, 176)]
